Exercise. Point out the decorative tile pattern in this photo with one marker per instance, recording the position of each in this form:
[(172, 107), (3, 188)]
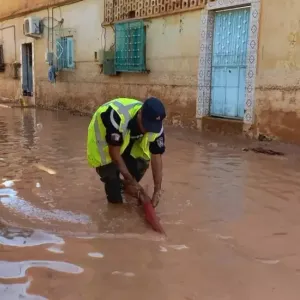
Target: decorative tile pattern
[(204, 74)]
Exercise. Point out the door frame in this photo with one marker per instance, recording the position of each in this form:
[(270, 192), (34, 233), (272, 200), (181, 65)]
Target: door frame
[(221, 82), (206, 48), (28, 41)]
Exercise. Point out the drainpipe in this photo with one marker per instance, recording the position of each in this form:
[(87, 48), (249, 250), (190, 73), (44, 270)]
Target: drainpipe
[(15, 39), (52, 25), (52, 39), (48, 28)]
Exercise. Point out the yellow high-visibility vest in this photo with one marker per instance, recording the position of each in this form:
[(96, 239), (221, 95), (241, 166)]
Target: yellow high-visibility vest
[(97, 148)]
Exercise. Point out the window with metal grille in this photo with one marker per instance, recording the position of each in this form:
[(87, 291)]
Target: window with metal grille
[(65, 53), (130, 46), (2, 65)]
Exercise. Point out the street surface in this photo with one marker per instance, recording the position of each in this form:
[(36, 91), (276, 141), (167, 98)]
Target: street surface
[(232, 219)]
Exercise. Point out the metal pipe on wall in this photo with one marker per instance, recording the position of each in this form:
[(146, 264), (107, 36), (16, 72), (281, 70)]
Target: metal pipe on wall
[(52, 26), (15, 39), (48, 37)]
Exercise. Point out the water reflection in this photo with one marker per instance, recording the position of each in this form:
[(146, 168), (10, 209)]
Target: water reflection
[(9, 199), (15, 270), (21, 237), (3, 132), (17, 291), (29, 128)]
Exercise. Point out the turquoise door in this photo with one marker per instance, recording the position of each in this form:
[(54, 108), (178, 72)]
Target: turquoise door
[(229, 57)]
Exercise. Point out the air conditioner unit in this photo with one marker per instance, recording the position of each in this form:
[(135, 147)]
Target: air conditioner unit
[(32, 27)]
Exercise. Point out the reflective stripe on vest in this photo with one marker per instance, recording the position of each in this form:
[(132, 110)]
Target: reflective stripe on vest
[(100, 140), (124, 110), (152, 135), (112, 120)]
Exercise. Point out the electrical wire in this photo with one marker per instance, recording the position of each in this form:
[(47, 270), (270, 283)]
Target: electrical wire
[(103, 34), (104, 27), (113, 44), (48, 21)]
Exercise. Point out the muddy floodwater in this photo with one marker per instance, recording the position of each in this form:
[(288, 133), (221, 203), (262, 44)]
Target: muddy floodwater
[(232, 219)]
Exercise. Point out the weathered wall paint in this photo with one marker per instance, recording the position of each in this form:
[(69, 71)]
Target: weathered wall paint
[(172, 57), (11, 9), (278, 78)]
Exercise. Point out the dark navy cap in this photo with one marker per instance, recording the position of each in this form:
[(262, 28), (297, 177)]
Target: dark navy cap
[(153, 114)]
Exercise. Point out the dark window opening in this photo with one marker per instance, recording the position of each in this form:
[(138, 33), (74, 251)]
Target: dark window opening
[(2, 65), (131, 14)]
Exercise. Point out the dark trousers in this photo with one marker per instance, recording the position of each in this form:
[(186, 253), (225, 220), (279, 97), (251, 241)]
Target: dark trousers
[(110, 176)]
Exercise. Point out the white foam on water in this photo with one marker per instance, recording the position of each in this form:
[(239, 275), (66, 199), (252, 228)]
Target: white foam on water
[(56, 250), (16, 238), (126, 274), (17, 291), (163, 249), (129, 274), (224, 237), (8, 183), (179, 222), (96, 254), (86, 237), (15, 270), (45, 169), (39, 127), (268, 261), (116, 273), (178, 247), (9, 199), (125, 236), (4, 106)]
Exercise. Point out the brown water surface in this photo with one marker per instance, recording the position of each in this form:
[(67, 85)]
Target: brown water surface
[(231, 217)]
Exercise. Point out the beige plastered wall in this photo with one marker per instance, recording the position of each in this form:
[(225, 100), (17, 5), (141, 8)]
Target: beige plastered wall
[(277, 111), (172, 57)]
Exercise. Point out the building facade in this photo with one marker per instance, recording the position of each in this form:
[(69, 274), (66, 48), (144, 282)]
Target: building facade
[(233, 61)]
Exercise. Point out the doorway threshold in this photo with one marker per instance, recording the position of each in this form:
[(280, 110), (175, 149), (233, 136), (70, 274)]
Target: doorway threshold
[(223, 125)]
